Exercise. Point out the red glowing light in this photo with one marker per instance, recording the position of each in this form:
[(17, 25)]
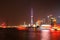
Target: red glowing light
[(3, 25), (22, 28)]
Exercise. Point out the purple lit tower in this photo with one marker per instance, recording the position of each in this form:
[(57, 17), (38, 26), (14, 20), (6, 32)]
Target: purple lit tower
[(31, 16)]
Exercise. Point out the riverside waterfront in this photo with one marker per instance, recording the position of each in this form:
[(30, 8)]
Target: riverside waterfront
[(31, 34)]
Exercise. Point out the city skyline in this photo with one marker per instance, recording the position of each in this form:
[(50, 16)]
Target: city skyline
[(16, 12)]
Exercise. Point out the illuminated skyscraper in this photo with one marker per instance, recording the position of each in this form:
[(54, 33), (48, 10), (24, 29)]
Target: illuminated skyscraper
[(31, 16)]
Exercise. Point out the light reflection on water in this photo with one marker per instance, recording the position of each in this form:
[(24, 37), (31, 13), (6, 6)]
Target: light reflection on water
[(39, 35), (55, 35), (45, 35), (14, 34), (34, 36)]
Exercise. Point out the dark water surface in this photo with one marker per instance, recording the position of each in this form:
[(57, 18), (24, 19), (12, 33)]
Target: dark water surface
[(31, 34)]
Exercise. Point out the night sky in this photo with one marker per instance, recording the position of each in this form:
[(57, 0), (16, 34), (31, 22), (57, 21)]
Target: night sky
[(15, 12)]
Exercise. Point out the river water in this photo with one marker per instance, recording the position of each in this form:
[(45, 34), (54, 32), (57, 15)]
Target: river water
[(31, 34)]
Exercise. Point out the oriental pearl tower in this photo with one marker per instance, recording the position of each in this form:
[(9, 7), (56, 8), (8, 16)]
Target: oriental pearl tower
[(31, 16)]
